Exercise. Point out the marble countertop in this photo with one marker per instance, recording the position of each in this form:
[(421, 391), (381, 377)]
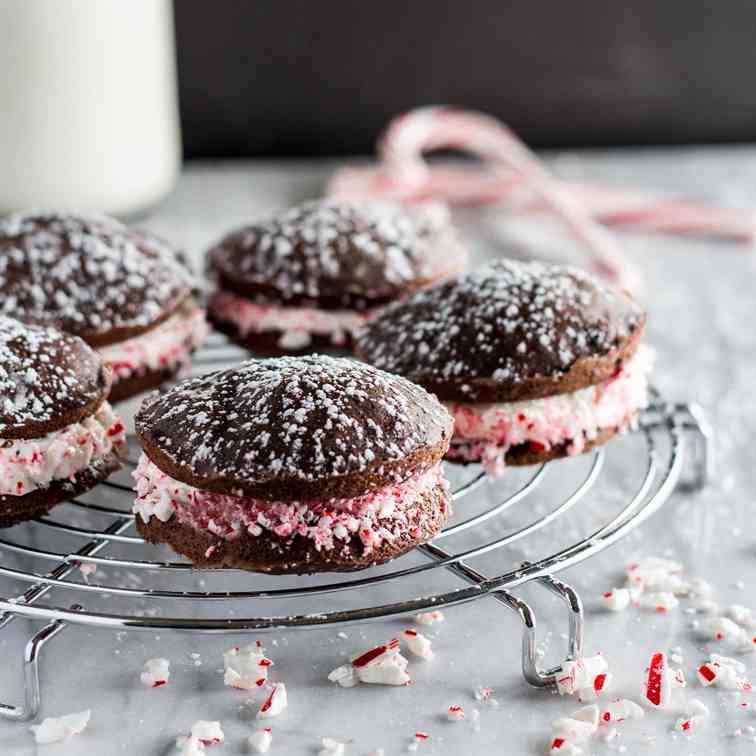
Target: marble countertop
[(702, 315)]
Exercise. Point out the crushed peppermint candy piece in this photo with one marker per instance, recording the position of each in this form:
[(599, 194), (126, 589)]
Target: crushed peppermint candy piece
[(661, 601), (420, 737), (699, 588), (616, 600), (208, 733), (724, 673), (619, 710), (429, 618), (260, 740), (190, 746), (580, 674), (156, 673), (579, 726), (658, 683), (697, 713), (246, 668), (601, 684), (562, 747), (331, 747), (418, 644), (382, 665), (743, 616), (721, 629), (657, 574), (56, 729), (455, 713), (275, 703), (485, 696)]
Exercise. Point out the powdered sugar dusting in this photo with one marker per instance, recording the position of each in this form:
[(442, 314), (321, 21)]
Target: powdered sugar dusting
[(508, 321), (302, 418), (42, 374), (342, 250), (85, 275)]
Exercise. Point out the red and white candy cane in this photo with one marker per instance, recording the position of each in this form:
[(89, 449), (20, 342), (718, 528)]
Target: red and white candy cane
[(512, 175), (402, 165)]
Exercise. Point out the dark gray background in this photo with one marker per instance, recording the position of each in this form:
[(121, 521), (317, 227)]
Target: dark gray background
[(307, 77)]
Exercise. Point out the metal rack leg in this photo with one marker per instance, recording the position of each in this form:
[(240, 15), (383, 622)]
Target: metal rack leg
[(530, 671), (32, 694)]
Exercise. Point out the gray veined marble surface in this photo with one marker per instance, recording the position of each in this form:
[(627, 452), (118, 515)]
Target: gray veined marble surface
[(703, 313)]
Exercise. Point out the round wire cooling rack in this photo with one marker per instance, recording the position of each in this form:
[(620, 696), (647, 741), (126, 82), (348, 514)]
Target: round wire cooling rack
[(89, 549)]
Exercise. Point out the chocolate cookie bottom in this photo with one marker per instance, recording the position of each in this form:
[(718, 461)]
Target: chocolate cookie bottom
[(296, 554), (15, 509)]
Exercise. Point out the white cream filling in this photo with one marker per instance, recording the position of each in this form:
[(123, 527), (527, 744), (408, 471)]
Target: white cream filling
[(296, 324), (574, 417), (163, 347), (29, 464)]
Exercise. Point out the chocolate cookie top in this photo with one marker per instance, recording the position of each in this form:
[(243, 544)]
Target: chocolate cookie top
[(47, 380), (92, 277), (505, 332), (338, 254), (294, 428)]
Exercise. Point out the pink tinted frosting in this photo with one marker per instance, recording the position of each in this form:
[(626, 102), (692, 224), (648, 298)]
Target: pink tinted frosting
[(487, 431), (29, 464), (165, 346), (295, 323), (375, 517)]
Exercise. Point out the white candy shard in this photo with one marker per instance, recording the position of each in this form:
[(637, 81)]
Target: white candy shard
[(190, 746), (55, 729), (418, 644), (485, 696), (260, 740), (619, 710), (724, 673), (275, 703), (616, 600), (429, 618), (579, 674), (571, 730), (743, 616), (699, 588), (589, 714), (657, 574), (661, 601), (203, 733), (455, 713), (331, 747), (345, 675), (246, 668), (697, 713), (721, 629), (382, 665), (156, 672), (562, 747)]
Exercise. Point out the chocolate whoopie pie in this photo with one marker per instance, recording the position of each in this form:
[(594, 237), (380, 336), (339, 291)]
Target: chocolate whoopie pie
[(534, 361), (292, 465), (306, 278), (126, 292), (59, 436)]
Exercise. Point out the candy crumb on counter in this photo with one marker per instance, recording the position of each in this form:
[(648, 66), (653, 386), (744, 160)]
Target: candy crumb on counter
[(57, 729), (156, 673), (260, 740)]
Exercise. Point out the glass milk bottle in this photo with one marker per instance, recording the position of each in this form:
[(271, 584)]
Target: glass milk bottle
[(88, 105)]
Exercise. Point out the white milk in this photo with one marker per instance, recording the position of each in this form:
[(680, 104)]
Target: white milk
[(88, 105)]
